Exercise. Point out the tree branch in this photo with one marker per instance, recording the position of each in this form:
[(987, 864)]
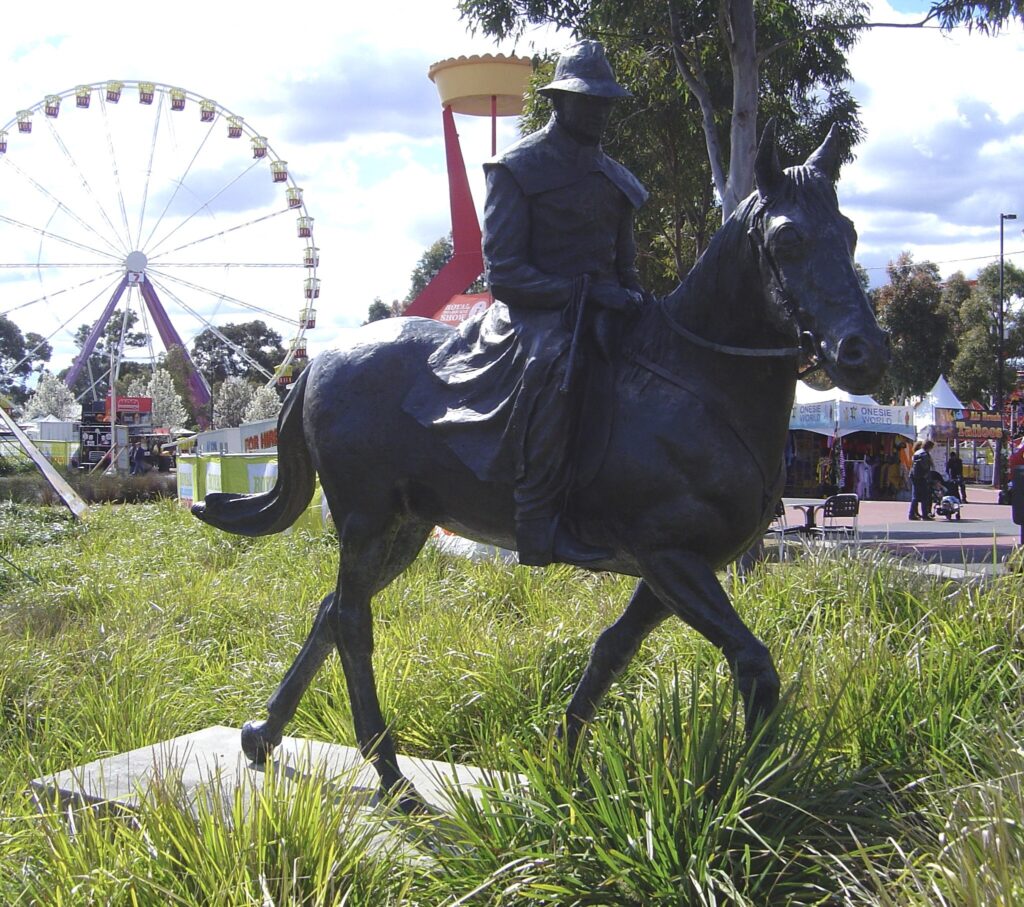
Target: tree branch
[(689, 70)]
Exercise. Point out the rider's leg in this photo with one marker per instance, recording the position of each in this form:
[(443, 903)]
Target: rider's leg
[(546, 423), (540, 494)]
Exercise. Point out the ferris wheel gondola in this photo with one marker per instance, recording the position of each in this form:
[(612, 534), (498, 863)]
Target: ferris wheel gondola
[(143, 197)]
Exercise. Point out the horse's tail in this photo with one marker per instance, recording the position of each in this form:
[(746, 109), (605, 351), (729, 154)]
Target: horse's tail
[(274, 510)]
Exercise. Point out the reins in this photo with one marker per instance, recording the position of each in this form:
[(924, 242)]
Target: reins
[(779, 288), (752, 351)]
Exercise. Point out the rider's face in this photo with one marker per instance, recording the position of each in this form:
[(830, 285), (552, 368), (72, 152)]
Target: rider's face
[(584, 116)]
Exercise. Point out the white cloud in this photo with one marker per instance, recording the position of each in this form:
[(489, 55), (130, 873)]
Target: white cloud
[(945, 126), (342, 95)]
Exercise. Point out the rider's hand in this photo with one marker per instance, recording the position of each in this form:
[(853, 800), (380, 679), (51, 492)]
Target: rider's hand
[(614, 297)]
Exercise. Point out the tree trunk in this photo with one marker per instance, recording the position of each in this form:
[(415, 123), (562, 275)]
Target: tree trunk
[(741, 36), (739, 31)]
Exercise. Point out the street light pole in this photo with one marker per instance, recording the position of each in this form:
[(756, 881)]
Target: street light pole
[(997, 470)]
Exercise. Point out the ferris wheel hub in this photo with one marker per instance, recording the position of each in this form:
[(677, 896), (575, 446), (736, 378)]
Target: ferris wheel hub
[(135, 265)]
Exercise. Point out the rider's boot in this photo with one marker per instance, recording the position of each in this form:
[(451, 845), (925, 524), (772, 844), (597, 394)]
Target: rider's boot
[(571, 550), (545, 540)]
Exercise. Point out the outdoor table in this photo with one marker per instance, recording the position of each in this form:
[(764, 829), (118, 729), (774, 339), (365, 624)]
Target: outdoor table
[(809, 510)]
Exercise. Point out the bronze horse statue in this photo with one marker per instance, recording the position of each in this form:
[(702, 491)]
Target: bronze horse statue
[(690, 471)]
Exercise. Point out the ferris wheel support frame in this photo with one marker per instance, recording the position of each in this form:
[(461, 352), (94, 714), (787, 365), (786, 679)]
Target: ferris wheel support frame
[(94, 334), (199, 390)]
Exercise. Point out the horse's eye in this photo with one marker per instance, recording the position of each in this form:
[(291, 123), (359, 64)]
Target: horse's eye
[(786, 239)]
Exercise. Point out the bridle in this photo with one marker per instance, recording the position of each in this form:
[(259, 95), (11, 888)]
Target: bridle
[(808, 344)]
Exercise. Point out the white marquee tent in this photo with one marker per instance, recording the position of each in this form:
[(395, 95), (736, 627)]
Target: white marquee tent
[(835, 412), (941, 396)]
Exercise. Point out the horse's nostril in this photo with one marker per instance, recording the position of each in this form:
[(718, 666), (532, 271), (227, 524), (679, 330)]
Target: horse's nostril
[(852, 352)]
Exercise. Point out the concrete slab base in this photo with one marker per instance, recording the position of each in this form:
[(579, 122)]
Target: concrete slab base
[(209, 765)]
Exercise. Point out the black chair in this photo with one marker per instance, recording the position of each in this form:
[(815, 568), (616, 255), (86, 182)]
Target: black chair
[(839, 518), (778, 528)]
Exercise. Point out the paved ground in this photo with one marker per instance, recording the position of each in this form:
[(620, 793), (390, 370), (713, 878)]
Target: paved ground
[(977, 544)]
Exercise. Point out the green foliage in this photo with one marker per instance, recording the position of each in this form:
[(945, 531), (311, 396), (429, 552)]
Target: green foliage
[(118, 337), (377, 311), (683, 64), (235, 351), (890, 775), (910, 308), (52, 398), (231, 402), (988, 18), (433, 259), (20, 355), (265, 404), (175, 362), (168, 407), (974, 371)]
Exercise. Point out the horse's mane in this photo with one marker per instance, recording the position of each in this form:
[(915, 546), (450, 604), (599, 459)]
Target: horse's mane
[(729, 247)]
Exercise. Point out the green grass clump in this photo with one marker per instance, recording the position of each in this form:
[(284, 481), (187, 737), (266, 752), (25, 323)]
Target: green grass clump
[(891, 773)]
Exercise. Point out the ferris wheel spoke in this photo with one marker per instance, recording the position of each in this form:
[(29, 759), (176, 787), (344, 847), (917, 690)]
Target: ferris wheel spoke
[(295, 265), (277, 316), (149, 171), (198, 210), (51, 235), (178, 183), (64, 324), (117, 174), (42, 190), (220, 233), (94, 335), (216, 331), (46, 297), (54, 265), (146, 330)]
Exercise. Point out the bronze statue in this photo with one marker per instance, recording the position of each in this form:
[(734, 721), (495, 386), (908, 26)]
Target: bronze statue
[(558, 236), (677, 470)]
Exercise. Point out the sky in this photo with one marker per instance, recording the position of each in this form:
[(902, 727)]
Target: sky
[(344, 98)]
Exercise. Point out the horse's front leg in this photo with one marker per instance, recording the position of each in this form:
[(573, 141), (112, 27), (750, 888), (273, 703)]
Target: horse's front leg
[(687, 585), (260, 737), (612, 653)]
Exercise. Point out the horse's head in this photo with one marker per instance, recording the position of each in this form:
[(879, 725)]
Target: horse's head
[(805, 246)]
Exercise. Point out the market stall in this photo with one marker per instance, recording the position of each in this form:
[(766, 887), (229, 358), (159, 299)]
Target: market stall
[(941, 417), (846, 442)]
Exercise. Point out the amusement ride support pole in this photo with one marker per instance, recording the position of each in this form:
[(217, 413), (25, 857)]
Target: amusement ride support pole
[(997, 470), (494, 125)]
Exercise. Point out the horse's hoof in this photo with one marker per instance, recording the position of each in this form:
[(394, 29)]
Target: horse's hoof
[(405, 798), (255, 744)]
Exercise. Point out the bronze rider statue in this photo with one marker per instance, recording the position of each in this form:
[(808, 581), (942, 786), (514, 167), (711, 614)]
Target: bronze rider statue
[(558, 234)]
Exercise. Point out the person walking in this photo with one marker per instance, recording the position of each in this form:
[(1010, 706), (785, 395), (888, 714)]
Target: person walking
[(921, 482), (955, 474)]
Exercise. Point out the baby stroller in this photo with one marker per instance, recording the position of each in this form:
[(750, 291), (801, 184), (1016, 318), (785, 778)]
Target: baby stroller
[(945, 497)]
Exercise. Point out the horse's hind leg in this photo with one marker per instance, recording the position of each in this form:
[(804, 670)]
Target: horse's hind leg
[(612, 653), (373, 552), (260, 737)]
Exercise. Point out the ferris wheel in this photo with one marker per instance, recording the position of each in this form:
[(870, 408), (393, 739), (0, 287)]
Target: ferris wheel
[(143, 198)]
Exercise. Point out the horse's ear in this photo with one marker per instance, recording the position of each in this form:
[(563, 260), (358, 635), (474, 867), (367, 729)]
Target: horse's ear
[(828, 157), (768, 175)]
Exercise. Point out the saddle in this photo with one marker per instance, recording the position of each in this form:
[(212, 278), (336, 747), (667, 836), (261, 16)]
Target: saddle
[(468, 392)]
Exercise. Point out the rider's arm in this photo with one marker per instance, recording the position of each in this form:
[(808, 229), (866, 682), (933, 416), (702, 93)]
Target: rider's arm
[(625, 252), (512, 278)]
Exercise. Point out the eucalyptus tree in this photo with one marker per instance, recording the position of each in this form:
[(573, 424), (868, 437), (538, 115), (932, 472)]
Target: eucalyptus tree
[(974, 374), (733, 61), (910, 308)]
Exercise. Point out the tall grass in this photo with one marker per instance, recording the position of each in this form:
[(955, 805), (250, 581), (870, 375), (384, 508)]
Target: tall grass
[(891, 774)]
